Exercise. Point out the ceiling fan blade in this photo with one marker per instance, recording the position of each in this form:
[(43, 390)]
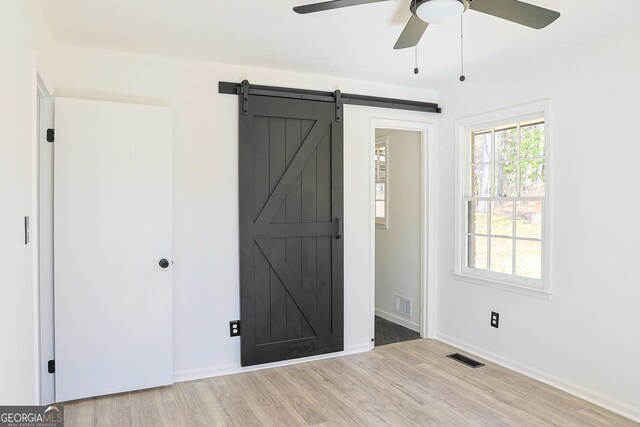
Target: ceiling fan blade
[(328, 5), (516, 11), (412, 33)]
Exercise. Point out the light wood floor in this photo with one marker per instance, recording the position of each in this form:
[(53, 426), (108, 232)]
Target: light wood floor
[(403, 384)]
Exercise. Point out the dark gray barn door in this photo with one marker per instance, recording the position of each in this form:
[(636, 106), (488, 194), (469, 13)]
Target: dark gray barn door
[(291, 250)]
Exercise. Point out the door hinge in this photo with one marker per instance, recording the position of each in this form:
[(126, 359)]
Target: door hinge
[(51, 366), (51, 133)]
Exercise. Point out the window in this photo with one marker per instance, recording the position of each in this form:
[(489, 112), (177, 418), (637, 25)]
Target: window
[(381, 172), (503, 201)]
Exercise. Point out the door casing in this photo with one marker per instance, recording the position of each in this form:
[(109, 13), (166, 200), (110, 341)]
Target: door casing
[(427, 214), (42, 239)]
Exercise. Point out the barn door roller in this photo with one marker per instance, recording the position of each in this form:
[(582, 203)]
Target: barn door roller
[(244, 93), (338, 95)]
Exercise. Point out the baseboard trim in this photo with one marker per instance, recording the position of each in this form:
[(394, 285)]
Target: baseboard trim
[(589, 395), (218, 371), (398, 320)]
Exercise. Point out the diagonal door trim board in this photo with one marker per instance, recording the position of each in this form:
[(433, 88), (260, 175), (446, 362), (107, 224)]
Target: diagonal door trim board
[(294, 170), (280, 266)]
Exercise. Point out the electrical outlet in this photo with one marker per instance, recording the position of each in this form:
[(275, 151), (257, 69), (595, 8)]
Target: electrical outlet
[(234, 328), (495, 319)]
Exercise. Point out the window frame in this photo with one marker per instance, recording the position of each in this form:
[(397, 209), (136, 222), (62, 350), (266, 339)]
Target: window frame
[(382, 223), (464, 128)]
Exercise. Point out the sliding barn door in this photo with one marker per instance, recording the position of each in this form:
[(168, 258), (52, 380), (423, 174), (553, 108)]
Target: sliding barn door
[(112, 209), (291, 248)]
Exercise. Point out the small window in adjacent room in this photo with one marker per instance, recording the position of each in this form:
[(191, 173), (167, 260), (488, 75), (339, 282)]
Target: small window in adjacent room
[(381, 172), (503, 200)]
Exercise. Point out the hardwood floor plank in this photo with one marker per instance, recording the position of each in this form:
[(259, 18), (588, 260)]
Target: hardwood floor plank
[(282, 415), (312, 414), (327, 398), (596, 416), (264, 395)]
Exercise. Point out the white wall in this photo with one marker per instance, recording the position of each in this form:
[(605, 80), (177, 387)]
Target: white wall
[(398, 246), (586, 338), (205, 235), (25, 40)]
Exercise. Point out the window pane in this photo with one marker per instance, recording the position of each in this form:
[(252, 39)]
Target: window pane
[(380, 209), (532, 141), (529, 219), (481, 147), (532, 178), (478, 217), (501, 255), (507, 144), (477, 256), (506, 174), (380, 162), (481, 180), (380, 191), (529, 259), (502, 218), (381, 171)]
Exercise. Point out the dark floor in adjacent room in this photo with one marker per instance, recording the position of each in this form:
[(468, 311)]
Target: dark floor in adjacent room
[(388, 332)]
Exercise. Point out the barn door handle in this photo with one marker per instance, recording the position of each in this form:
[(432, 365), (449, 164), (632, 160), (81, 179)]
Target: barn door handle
[(340, 231), (164, 263)]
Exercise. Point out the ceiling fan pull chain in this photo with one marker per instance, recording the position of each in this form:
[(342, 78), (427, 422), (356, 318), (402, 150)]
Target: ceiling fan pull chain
[(416, 70), (462, 77)]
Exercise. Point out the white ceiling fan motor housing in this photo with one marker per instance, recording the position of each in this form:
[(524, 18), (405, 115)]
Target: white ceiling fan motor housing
[(438, 11)]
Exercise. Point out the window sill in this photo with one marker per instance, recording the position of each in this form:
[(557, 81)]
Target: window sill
[(382, 226), (506, 286)]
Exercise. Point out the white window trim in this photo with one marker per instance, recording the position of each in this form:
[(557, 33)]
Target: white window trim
[(463, 126), (384, 140)]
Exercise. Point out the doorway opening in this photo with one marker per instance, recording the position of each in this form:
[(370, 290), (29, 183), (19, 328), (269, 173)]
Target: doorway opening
[(399, 247)]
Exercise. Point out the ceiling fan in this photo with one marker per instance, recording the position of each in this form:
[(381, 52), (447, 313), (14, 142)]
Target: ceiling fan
[(426, 12)]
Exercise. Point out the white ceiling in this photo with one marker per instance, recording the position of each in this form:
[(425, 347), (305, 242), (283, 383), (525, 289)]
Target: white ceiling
[(355, 42)]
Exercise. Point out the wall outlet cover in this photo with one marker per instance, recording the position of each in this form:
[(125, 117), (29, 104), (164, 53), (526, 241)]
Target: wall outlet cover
[(495, 319), (234, 328)]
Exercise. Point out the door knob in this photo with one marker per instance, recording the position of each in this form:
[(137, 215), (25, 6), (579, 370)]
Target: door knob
[(164, 263)]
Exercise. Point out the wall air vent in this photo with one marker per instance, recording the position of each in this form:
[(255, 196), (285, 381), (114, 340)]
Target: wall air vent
[(403, 306)]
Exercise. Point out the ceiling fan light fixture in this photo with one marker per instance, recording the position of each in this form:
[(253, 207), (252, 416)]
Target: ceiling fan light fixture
[(439, 11)]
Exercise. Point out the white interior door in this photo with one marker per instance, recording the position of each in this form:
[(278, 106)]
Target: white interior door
[(112, 225)]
